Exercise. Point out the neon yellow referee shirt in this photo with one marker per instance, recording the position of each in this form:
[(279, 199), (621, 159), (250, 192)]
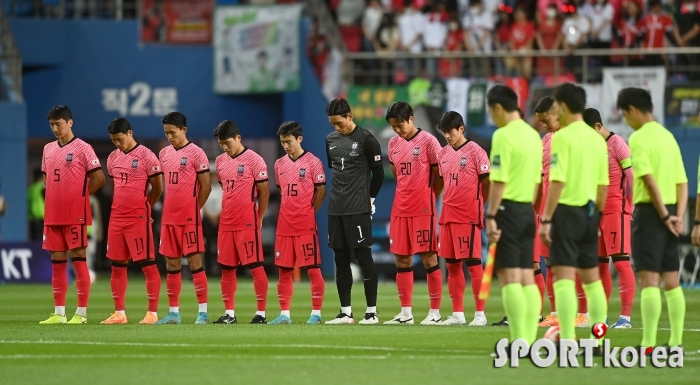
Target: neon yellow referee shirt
[(516, 160), (656, 152), (580, 161)]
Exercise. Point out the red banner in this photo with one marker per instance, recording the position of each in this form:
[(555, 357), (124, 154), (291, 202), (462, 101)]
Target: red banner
[(176, 21)]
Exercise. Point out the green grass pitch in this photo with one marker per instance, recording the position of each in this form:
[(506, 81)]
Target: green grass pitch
[(287, 354)]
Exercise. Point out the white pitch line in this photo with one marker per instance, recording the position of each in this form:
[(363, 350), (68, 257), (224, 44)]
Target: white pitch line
[(234, 345)]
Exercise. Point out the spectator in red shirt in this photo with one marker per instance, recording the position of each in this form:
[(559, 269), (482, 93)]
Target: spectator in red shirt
[(687, 34), (629, 31), (655, 25), (454, 43), (549, 38), (502, 42), (522, 36)]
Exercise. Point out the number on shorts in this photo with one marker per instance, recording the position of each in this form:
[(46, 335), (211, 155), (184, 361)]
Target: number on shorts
[(463, 243), (74, 232), (248, 245), (614, 235), (191, 238), (138, 242), (422, 236), (360, 230), (309, 249)]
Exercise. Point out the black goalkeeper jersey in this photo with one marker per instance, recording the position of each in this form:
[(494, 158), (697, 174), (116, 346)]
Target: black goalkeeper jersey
[(351, 158)]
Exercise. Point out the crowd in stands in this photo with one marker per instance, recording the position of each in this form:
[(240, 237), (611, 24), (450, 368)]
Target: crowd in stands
[(489, 26)]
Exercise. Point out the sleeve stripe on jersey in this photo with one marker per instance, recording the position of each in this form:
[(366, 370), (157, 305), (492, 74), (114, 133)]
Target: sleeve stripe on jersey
[(110, 176), (434, 165), (484, 176), (202, 171), (320, 184), (94, 169), (156, 174), (261, 180)]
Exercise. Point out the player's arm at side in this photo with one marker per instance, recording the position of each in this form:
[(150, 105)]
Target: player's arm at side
[(538, 196), (97, 180), (642, 168), (204, 179), (603, 179), (483, 169), (319, 178), (319, 196), (681, 191), (374, 159), (263, 197), (557, 175), (156, 182), (438, 182), (500, 156), (433, 155)]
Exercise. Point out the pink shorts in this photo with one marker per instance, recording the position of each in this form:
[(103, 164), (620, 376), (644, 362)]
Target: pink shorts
[(181, 240), (239, 247), (64, 237), (130, 240), (412, 235), (460, 241), (297, 251)]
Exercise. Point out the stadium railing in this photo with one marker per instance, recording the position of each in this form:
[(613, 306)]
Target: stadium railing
[(371, 65)]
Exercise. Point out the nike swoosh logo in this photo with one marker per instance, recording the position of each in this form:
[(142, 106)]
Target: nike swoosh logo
[(307, 258), (360, 240), (281, 173), (330, 148), (444, 161), (396, 152)]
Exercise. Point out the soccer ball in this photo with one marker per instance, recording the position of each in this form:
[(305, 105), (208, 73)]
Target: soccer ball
[(552, 334)]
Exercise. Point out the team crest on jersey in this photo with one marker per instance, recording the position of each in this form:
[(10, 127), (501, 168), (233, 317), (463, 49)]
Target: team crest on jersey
[(69, 158), (134, 163), (354, 149), (416, 152), (183, 161), (463, 162), (302, 173), (240, 169)]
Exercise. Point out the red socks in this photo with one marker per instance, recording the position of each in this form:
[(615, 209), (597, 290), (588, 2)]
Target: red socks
[(539, 280), (318, 287), (628, 284), (434, 286), (550, 289), (82, 280), (582, 302), (477, 272), (604, 272), (260, 284), (173, 286), (152, 285), (229, 282), (119, 283), (201, 285), (59, 281), (456, 285), (404, 285), (285, 288)]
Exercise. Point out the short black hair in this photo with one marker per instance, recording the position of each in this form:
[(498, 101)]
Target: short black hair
[(573, 96), (119, 126), (289, 127), (503, 95), (545, 104), (175, 118), (400, 111), (592, 116), (450, 120), (338, 107), (636, 97), (521, 113), (227, 129), (60, 112)]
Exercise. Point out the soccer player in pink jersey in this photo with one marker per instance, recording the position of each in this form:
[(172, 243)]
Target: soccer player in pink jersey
[(301, 179), (615, 229), (71, 173), (413, 155), (464, 167), (187, 186), (243, 177), (136, 179)]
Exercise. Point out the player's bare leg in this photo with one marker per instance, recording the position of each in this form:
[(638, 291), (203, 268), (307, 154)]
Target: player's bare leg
[(118, 283), (59, 284), (404, 286), (628, 287), (434, 277), (201, 286)]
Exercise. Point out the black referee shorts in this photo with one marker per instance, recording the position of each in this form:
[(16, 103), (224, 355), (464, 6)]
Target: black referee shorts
[(574, 237), (654, 248), (516, 221), (350, 231)]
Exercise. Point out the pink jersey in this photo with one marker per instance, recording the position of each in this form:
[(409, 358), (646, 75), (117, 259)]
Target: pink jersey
[(238, 176), (619, 159), (413, 160), (66, 169), (546, 160), (297, 181), (463, 169), (130, 172), (181, 168)]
